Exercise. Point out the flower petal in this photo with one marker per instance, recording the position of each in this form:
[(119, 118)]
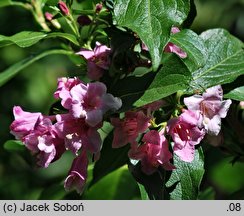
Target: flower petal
[(186, 154), (214, 92), (224, 108), (152, 137), (94, 117), (213, 125), (193, 102)]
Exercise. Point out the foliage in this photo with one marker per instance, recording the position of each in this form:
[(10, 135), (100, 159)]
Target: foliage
[(151, 56)]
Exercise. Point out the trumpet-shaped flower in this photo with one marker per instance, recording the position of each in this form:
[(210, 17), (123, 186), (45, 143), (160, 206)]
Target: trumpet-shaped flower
[(154, 152), (185, 134), (24, 122), (78, 173), (38, 134), (127, 130), (97, 60), (77, 133), (91, 101), (212, 108)]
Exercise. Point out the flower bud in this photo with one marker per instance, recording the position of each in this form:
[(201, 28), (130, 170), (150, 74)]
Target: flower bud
[(83, 20), (99, 7), (48, 16), (63, 8)]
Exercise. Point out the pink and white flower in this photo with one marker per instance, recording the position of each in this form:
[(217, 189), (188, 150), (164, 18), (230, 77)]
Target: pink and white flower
[(128, 129), (38, 134), (78, 173), (154, 152), (97, 61), (92, 101), (212, 108), (185, 134)]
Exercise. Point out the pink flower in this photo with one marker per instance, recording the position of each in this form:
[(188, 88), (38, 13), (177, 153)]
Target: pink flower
[(91, 101), (185, 134), (153, 153), (77, 174), (172, 48), (24, 122), (38, 134), (63, 90), (97, 60), (212, 108), (76, 134), (127, 130)]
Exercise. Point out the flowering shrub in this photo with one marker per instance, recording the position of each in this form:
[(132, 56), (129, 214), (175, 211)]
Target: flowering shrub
[(161, 114)]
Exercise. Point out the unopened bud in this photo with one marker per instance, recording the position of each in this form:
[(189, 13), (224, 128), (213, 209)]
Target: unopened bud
[(48, 16), (175, 30), (99, 7), (83, 20), (63, 8)]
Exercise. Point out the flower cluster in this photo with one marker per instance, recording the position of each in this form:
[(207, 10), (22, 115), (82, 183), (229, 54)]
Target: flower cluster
[(48, 137), (98, 60), (187, 130), (202, 117), (154, 150), (75, 128)]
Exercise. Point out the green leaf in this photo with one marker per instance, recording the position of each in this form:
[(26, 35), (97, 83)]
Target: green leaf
[(194, 46), (110, 159), (117, 185), (225, 60), (188, 175), (236, 94), (12, 71), (14, 145), (22, 39), (4, 3), (173, 76), (66, 36), (152, 21), (29, 38), (151, 186), (143, 192)]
